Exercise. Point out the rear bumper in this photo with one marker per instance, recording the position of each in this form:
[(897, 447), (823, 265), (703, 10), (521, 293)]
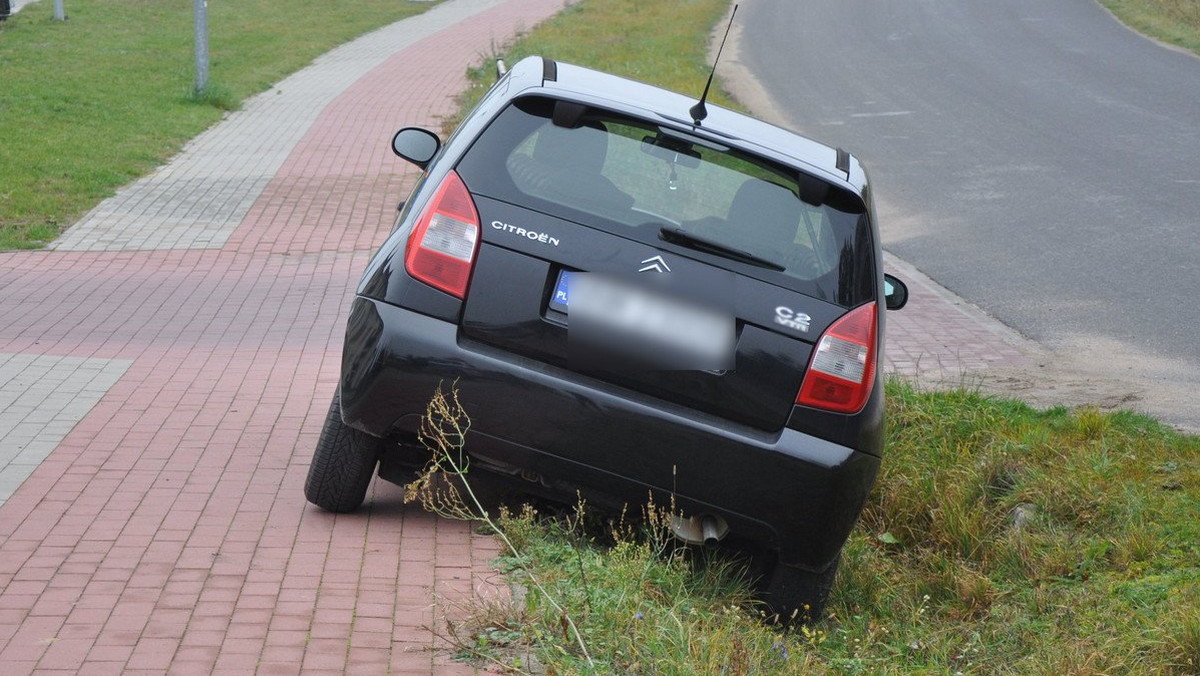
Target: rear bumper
[(786, 491)]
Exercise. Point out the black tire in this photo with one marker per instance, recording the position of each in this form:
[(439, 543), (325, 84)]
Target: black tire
[(343, 464), (795, 596)]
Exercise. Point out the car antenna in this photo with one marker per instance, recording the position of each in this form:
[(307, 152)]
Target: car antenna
[(700, 111)]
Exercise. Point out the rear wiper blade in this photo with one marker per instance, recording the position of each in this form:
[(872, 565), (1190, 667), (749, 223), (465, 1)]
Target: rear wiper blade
[(693, 241)]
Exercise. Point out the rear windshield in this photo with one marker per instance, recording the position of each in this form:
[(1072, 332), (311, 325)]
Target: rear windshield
[(639, 180)]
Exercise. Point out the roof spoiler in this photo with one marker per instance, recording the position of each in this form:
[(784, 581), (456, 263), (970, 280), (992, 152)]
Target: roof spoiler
[(549, 70), (843, 162)]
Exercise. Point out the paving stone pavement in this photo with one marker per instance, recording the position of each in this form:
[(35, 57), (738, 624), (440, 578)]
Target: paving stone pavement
[(941, 339), (166, 366)]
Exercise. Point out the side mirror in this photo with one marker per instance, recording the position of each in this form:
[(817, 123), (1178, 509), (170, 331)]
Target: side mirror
[(895, 292), (416, 145)]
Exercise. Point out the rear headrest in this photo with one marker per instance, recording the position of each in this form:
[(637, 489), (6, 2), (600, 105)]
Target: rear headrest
[(582, 149), (766, 212)]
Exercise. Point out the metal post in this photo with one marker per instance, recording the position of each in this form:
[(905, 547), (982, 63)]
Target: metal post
[(201, 24), (59, 12)]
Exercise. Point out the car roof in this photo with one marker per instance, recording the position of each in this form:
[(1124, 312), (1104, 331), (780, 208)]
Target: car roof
[(563, 80)]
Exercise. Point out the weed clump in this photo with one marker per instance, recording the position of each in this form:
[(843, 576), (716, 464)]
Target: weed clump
[(599, 593)]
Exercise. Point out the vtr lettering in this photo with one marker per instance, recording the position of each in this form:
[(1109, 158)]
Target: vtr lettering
[(522, 232), (785, 316)]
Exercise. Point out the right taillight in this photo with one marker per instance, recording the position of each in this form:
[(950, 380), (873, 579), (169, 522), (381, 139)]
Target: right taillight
[(441, 249), (842, 370)]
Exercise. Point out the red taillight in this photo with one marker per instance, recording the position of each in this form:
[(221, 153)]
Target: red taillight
[(441, 249), (842, 370)]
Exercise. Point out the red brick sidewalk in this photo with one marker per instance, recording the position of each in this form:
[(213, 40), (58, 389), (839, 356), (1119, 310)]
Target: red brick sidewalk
[(168, 532)]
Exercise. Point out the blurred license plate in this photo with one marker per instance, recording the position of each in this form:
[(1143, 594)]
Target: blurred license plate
[(650, 328)]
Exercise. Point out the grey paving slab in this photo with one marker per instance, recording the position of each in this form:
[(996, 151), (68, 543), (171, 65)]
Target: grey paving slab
[(201, 196), (41, 399)]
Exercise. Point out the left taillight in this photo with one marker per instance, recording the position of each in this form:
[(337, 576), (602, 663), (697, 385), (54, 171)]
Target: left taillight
[(443, 245), (842, 371)]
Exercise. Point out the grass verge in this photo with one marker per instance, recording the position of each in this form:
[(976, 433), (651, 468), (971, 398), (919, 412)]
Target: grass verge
[(999, 540), (654, 42), (1175, 22), (91, 103)]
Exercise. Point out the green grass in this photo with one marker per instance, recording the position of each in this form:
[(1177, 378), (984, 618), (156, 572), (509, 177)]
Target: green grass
[(1175, 22), (1102, 578), (663, 43), (89, 104)]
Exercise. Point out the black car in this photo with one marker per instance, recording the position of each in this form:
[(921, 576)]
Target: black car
[(632, 301)]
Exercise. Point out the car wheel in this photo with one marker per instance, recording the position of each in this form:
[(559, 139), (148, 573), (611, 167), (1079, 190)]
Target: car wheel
[(797, 596), (343, 464)]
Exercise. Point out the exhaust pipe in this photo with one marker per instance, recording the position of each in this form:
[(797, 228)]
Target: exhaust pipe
[(706, 529), (710, 530)]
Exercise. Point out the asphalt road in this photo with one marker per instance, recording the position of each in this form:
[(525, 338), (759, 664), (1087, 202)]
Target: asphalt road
[(1037, 158)]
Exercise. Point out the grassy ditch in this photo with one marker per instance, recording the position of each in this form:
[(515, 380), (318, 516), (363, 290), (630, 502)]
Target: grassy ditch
[(1175, 22), (89, 104), (999, 540)]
